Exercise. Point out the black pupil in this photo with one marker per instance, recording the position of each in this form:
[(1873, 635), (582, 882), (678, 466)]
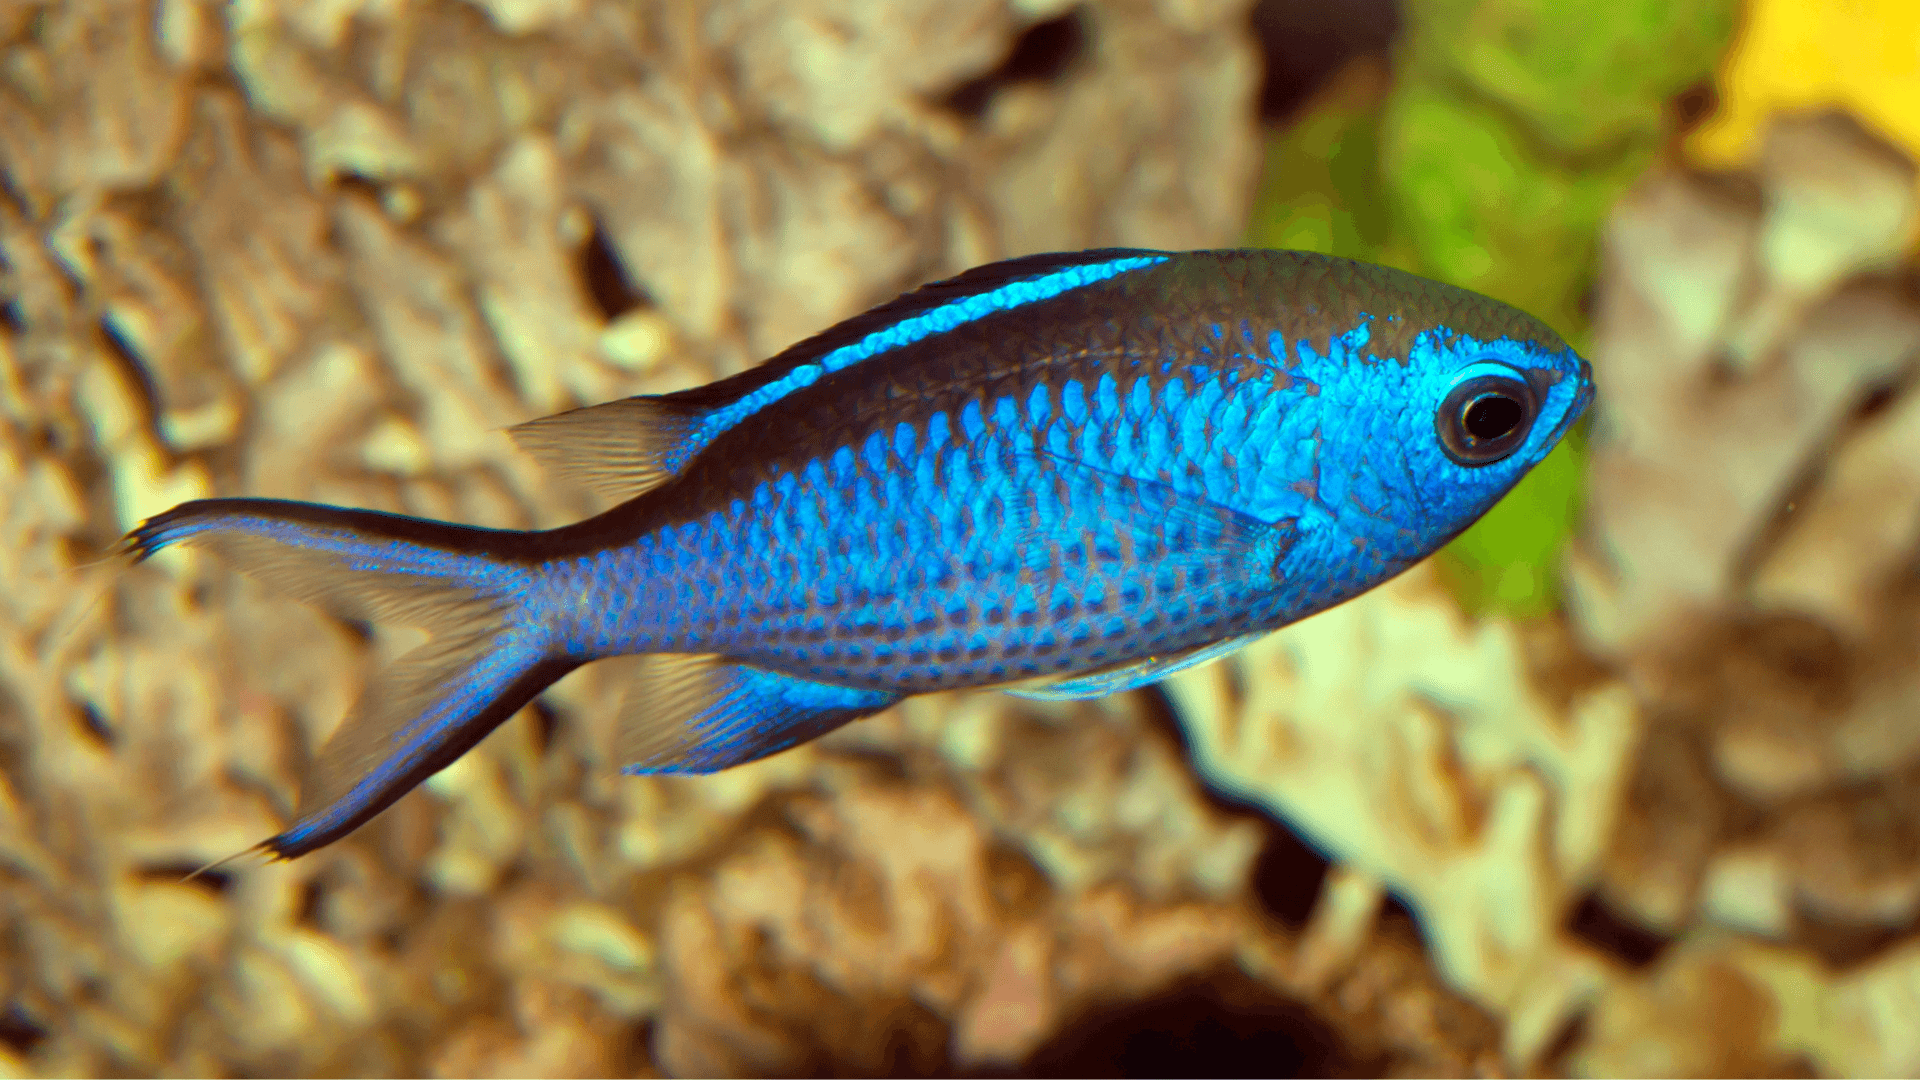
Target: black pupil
[(1490, 416)]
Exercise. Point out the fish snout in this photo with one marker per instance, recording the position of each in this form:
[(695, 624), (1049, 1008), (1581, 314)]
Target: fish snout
[(1585, 396)]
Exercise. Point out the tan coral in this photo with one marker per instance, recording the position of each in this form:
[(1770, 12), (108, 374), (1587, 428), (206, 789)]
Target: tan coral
[(1409, 743), (339, 245), (1745, 566), (1771, 356)]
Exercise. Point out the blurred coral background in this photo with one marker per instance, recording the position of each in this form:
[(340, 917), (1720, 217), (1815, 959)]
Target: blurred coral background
[(1625, 782)]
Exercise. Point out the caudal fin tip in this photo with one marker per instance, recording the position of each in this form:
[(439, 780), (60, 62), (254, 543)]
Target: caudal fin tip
[(125, 549), (143, 540), (137, 546), (257, 854), (167, 528), (284, 847), (291, 844)]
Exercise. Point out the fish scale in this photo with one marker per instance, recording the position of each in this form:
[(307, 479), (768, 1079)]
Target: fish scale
[(902, 580), (1065, 475)]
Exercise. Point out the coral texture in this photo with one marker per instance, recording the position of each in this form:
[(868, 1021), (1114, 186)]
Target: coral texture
[(326, 251)]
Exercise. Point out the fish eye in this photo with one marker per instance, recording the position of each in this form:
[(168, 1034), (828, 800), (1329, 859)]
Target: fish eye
[(1486, 415)]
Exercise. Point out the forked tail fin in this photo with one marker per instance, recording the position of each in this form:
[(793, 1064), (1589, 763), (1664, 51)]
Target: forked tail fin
[(485, 660)]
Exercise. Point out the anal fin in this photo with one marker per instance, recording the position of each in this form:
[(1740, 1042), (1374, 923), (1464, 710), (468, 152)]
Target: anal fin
[(701, 714), (1114, 680)]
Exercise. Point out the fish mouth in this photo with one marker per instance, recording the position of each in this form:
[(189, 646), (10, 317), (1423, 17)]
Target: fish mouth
[(1585, 396), (1575, 408)]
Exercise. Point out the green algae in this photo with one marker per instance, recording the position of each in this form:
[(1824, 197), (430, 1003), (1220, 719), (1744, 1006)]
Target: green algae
[(1491, 161)]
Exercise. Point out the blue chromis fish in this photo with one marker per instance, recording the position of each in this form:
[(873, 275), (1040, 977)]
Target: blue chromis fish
[(1064, 475)]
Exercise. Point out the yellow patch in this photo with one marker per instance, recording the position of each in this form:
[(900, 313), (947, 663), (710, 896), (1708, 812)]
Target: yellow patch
[(1790, 55)]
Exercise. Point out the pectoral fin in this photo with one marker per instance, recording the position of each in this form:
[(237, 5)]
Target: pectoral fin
[(1132, 676), (1149, 521), (1151, 525)]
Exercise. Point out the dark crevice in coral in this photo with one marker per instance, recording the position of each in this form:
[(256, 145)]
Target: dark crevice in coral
[(1589, 303), (1396, 912), (1157, 709), (1047, 49), (1019, 885), (1813, 472), (19, 1032), (1805, 653), (1869, 408), (1792, 1066), (15, 198), (1304, 43), (1596, 923), (638, 1057), (614, 292), (1040, 55), (1224, 1024), (352, 183), (546, 726), (209, 881), (95, 724), (876, 764), (1789, 662), (391, 938), (1572, 1033), (1905, 282), (313, 896), (16, 744), (907, 1038), (1798, 488), (123, 354), (1288, 874), (11, 320), (1845, 948), (1876, 401)]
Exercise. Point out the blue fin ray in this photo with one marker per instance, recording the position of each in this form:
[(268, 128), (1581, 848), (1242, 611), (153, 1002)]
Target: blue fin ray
[(701, 714)]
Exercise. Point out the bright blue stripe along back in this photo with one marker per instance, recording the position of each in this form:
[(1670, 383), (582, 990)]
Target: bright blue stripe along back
[(937, 321)]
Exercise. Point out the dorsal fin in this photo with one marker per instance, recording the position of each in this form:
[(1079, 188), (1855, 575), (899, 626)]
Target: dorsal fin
[(621, 448)]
